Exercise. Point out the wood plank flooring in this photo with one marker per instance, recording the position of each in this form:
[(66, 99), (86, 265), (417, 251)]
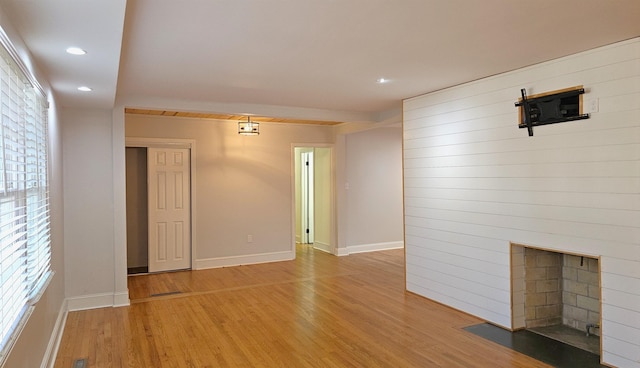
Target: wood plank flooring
[(317, 311)]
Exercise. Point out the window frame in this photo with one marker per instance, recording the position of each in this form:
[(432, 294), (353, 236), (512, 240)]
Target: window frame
[(25, 221)]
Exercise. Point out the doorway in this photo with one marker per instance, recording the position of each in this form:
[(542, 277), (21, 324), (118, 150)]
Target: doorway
[(137, 210), (159, 197), (307, 219), (313, 192)]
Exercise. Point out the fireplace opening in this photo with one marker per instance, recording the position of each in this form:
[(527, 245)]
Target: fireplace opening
[(557, 295)]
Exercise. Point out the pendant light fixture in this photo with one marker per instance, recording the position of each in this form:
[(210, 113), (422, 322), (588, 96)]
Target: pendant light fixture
[(248, 127)]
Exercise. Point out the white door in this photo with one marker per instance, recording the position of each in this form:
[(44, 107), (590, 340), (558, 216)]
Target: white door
[(169, 209)]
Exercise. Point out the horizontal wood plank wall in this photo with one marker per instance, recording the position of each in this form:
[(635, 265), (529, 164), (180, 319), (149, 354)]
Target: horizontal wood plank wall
[(474, 182)]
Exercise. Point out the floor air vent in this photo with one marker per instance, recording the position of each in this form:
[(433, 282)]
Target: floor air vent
[(80, 363)]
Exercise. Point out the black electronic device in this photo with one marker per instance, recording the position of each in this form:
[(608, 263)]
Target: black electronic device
[(550, 108)]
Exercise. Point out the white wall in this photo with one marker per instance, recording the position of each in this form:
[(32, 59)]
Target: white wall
[(475, 182), (374, 194), (243, 185), (88, 203), (36, 341)]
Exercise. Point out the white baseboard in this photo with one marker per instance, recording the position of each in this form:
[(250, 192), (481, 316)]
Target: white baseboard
[(51, 353), (340, 252), (323, 247), (201, 264), (90, 301), (374, 247), (121, 299)]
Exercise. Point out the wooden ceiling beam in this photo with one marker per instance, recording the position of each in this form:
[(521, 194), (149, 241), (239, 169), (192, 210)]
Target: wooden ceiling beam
[(266, 119)]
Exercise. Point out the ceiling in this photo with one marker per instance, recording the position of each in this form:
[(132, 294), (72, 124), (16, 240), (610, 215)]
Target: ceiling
[(313, 59)]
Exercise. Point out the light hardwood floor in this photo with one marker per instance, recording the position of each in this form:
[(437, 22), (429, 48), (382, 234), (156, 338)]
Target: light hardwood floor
[(317, 311)]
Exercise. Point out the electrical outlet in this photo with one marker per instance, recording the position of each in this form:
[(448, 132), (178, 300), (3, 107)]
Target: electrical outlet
[(593, 105), (249, 238)]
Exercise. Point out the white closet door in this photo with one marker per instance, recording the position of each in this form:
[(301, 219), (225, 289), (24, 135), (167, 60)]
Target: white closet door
[(169, 209)]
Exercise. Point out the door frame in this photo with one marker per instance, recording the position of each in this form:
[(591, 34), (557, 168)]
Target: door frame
[(307, 218), (189, 144), (332, 197)]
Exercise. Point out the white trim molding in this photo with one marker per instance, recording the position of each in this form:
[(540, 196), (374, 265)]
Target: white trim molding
[(362, 248), (323, 247), (49, 358), (202, 264), (342, 252), (91, 301), (121, 299)]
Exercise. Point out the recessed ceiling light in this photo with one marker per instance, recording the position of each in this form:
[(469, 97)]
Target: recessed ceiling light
[(76, 51), (382, 80), (84, 89)]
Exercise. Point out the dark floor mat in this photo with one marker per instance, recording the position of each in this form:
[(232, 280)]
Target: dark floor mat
[(544, 349)]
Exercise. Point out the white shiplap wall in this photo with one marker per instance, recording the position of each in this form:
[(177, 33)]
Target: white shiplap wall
[(474, 182)]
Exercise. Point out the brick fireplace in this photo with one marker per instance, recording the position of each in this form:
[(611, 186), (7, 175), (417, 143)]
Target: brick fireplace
[(550, 288)]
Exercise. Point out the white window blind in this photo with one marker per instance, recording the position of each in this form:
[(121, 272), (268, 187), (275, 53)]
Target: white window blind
[(25, 252)]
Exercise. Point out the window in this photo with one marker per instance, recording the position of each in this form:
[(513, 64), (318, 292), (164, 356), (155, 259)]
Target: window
[(24, 195)]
